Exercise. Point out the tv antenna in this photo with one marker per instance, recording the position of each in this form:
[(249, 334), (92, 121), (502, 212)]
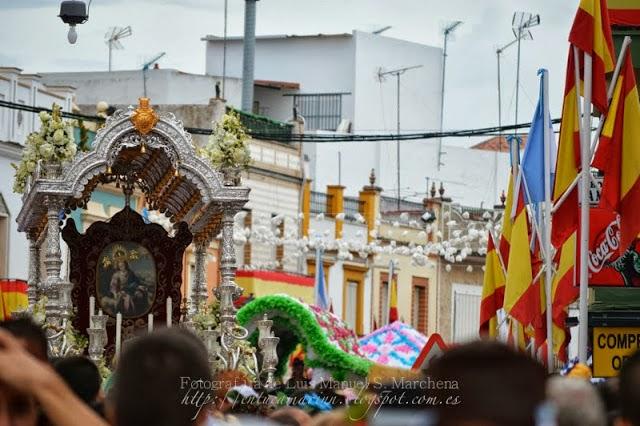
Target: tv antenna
[(113, 37)]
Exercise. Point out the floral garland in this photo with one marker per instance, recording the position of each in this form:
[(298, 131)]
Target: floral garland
[(54, 142), (227, 147), (304, 324)]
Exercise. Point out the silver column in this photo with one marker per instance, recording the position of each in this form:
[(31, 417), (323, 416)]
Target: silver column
[(34, 269)]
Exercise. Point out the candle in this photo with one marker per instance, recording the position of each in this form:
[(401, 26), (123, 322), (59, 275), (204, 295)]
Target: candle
[(92, 310), (100, 312), (150, 323), (118, 334), (169, 311)]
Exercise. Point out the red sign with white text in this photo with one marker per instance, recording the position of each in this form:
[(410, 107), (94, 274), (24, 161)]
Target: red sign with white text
[(607, 267)]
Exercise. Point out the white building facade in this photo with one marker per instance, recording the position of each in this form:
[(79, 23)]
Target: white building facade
[(15, 126), (340, 86)]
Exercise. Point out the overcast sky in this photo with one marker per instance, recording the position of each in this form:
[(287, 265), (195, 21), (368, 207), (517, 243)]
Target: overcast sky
[(34, 39)]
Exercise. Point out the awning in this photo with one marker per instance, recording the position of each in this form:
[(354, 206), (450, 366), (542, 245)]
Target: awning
[(624, 12)]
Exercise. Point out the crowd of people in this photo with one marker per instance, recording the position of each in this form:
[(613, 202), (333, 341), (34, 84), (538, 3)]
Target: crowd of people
[(164, 378)]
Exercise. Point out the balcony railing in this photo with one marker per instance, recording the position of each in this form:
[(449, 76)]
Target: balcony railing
[(263, 126), (352, 206), (320, 202)]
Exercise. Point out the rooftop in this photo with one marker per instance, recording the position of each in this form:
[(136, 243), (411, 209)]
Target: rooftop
[(210, 37), (497, 143)]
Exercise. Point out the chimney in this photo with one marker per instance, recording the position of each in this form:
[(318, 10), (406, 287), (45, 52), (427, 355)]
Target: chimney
[(248, 55)]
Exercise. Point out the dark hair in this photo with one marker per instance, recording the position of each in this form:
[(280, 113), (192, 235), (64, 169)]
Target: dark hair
[(32, 333), (630, 389), (82, 376), (150, 387), (489, 381)]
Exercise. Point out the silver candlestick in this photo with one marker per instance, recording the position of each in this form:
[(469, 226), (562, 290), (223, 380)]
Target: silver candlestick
[(97, 337), (270, 360)]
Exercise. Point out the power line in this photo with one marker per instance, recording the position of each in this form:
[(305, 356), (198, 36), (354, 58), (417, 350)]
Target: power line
[(314, 138)]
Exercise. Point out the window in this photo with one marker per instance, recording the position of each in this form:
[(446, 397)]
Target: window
[(322, 111), (419, 300), (465, 306), (246, 251), (351, 310), (352, 297), (383, 306), (4, 238)]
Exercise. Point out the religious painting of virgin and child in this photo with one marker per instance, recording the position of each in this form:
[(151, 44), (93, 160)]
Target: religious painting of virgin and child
[(126, 279)]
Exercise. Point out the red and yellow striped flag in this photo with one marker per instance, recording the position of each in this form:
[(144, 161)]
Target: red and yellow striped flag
[(393, 301), (13, 295), (520, 298), (492, 291), (590, 33), (618, 155)]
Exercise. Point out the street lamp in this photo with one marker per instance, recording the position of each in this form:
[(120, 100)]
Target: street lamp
[(73, 12)]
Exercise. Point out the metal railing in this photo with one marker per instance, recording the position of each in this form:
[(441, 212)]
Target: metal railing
[(259, 125), (320, 111), (389, 204), (320, 202), (352, 206)]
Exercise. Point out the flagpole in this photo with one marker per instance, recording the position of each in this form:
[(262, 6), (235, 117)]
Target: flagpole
[(585, 159), (612, 84), (389, 284), (547, 219)]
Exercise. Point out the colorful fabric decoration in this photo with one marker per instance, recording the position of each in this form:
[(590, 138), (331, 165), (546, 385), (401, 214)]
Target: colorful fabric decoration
[(394, 345)]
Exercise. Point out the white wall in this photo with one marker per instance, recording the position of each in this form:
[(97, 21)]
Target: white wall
[(18, 245), (319, 64), (350, 63), (164, 86), (273, 103)]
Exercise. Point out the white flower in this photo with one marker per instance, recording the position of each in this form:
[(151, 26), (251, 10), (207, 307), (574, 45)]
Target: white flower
[(46, 150), (44, 116)]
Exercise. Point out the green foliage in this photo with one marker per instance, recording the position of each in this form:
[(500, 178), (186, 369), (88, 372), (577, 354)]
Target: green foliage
[(302, 322)]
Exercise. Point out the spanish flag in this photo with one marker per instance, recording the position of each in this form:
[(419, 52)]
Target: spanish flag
[(393, 301), (618, 155), (520, 299), (492, 291), (564, 293), (13, 297), (507, 224), (590, 33)]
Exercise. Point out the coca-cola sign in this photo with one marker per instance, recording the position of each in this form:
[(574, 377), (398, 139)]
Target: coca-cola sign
[(607, 266), (606, 246)]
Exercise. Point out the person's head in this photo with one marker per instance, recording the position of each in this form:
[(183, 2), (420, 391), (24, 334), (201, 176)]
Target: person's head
[(486, 383), (17, 408), (162, 378), (576, 401), (609, 392), (30, 334), (82, 376), (122, 265), (290, 416), (630, 391)]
